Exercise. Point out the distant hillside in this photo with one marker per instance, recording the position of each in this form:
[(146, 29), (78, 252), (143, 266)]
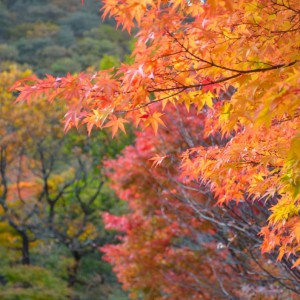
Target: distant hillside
[(56, 37)]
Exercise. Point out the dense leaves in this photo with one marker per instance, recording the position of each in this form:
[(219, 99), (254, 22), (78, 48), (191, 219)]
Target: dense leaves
[(177, 242)]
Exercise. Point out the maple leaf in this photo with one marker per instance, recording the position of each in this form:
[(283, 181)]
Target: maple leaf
[(157, 160), (154, 120), (116, 124)]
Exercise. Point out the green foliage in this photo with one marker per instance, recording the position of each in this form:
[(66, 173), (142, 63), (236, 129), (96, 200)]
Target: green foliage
[(30, 283), (65, 36), (65, 65), (80, 22), (57, 37), (5, 22), (108, 61), (8, 52)]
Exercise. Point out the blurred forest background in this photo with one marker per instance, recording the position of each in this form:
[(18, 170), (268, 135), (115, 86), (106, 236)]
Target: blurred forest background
[(52, 189), (56, 37)]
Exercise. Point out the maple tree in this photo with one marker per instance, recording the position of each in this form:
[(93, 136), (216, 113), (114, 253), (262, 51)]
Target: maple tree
[(193, 52), (175, 241)]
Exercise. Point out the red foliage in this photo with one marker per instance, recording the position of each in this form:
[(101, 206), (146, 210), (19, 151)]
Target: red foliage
[(175, 242)]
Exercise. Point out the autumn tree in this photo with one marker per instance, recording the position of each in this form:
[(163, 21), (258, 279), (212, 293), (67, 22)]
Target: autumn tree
[(192, 52), (19, 193), (52, 190), (176, 241)]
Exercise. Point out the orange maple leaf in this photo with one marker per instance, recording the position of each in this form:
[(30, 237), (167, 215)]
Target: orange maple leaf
[(157, 160), (116, 124), (154, 120)]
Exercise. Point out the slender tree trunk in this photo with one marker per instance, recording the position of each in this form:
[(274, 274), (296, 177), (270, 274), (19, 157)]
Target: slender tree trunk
[(74, 270), (25, 248), (51, 215)]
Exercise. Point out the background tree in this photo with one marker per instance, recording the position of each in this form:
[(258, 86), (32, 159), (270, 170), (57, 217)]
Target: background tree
[(51, 194)]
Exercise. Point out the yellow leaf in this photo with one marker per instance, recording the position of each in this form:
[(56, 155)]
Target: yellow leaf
[(207, 98), (154, 120)]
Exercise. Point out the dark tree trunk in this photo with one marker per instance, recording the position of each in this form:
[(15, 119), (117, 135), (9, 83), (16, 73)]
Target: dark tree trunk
[(25, 248), (74, 270), (51, 216)]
